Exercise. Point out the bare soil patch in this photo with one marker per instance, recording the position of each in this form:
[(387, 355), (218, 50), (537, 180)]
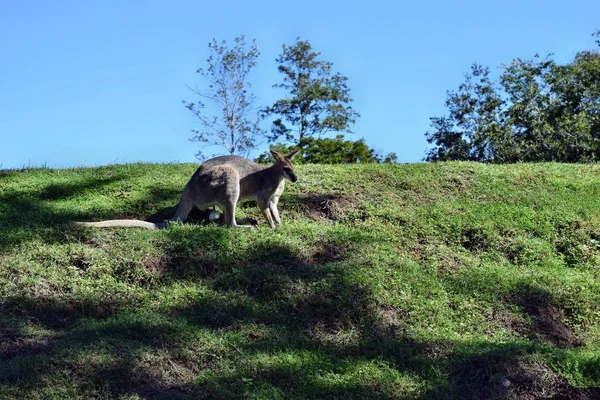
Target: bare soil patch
[(13, 344), (546, 319), (498, 376), (325, 206)]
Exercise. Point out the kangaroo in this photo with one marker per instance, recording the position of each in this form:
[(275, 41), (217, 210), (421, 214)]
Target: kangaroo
[(223, 182)]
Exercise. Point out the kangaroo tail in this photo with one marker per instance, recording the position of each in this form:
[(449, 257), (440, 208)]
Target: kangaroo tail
[(122, 223)]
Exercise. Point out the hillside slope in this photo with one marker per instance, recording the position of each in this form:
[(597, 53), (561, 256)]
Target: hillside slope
[(454, 280)]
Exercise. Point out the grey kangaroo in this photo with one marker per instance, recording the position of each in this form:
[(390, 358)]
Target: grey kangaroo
[(223, 182)]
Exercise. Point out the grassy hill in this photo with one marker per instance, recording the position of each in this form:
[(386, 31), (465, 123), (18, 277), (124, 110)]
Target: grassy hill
[(428, 281)]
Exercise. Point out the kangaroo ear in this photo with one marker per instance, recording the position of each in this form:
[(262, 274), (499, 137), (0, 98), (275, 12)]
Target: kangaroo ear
[(292, 154), (277, 156)]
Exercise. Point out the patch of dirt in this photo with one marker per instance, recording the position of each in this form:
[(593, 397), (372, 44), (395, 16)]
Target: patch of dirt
[(169, 380), (325, 206), (537, 381), (334, 336), (79, 260), (102, 310), (159, 266), (13, 345), (327, 252), (153, 391), (390, 321), (458, 183), (181, 266), (475, 240), (499, 376), (547, 320), (446, 260), (337, 309)]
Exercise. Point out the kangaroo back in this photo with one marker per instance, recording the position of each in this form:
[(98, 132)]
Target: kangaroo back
[(243, 166)]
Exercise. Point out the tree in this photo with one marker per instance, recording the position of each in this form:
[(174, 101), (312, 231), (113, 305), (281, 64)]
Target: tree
[(330, 151), (540, 111), (529, 98), (319, 100), (229, 123), (553, 109), (474, 129)]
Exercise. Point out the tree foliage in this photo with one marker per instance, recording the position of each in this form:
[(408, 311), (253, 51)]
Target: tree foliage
[(538, 110), (232, 122), (319, 100), (330, 151), (473, 130)]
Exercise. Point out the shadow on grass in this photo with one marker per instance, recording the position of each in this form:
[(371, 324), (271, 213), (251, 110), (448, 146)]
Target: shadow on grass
[(305, 315), (32, 215), (29, 215), (306, 327)]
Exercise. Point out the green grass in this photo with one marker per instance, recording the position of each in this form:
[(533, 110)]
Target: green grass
[(421, 281)]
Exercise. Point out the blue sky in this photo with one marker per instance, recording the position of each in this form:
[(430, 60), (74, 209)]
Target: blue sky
[(94, 83)]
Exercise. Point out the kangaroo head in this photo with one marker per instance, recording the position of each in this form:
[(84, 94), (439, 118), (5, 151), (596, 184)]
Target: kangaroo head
[(284, 164)]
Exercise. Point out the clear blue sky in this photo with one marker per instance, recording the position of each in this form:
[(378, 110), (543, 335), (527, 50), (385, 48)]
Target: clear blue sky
[(92, 83)]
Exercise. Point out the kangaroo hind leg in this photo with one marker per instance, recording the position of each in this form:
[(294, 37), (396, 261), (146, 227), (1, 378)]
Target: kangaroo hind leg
[(229, 214), (225, 182)]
